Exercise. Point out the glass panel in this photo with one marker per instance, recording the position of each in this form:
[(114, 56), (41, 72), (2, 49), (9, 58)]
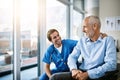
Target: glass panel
[(6, 46), (56, 18), (28, 24), (77, 28)]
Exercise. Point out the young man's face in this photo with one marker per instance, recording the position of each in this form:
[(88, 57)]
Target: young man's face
[(55, 38)]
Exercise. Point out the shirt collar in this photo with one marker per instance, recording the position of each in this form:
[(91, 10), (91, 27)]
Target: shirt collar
[(99, 39)]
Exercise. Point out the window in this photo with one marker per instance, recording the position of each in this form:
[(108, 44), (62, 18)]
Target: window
[(28, 24), (77, 25), (6, 22), (56, 16)]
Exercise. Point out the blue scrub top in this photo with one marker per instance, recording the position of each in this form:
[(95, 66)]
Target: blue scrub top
[(60, 59)]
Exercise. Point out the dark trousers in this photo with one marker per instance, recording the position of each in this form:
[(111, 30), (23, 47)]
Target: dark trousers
[(62, 76), (53, 71), (68, 76)]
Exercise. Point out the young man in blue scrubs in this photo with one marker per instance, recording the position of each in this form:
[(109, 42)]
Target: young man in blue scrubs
[(57, 53)]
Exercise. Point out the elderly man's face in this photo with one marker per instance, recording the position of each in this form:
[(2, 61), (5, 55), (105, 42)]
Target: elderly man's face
[(88, 29)]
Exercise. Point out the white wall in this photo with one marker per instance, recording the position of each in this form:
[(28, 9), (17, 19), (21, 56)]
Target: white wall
[(109, 8)]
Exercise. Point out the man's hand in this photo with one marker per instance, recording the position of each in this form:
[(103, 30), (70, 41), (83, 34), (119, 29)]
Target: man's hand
[(75, 72), (103, 35), (82, 76)]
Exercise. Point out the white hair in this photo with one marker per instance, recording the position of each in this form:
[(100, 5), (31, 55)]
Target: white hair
[(93, 20)]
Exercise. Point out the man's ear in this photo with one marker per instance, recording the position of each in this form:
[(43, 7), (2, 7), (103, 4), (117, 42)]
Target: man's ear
[(95, 26)]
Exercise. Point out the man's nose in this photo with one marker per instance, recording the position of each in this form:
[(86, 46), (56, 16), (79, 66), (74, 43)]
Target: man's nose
[(83, 29), (58, 37)]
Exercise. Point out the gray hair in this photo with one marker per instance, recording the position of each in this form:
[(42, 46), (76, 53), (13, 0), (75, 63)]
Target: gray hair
[(94, 19)]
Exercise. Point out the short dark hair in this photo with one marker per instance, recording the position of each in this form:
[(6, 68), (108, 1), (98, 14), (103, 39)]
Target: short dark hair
[(50, 32)]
